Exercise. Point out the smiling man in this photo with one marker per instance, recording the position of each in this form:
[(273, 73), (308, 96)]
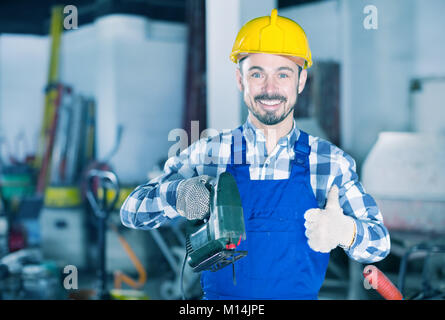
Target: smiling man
[(300, 194), (269, 84)]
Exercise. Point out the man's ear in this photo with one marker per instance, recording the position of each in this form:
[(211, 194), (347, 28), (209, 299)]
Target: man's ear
[(302, 80), (239, 80)]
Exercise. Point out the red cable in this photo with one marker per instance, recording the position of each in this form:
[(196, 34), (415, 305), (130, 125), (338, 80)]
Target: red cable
[(381, 283)]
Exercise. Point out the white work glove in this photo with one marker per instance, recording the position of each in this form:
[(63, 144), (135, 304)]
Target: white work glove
[(193, 197), (330, 227)]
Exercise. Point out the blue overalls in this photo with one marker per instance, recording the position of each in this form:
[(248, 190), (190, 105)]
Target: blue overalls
[(279, 263)]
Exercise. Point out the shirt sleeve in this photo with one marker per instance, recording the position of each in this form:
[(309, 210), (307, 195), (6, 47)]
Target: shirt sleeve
[(372, 242), (153, 203)]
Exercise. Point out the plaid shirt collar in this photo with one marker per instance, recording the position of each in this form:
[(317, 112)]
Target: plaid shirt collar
[(254, 135)]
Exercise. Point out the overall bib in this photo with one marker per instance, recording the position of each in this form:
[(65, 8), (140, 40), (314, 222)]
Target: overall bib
[(279, 262)]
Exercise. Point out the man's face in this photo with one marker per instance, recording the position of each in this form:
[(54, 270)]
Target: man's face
[(269, 84)]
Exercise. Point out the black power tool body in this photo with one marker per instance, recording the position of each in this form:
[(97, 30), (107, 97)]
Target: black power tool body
[(213, 245)]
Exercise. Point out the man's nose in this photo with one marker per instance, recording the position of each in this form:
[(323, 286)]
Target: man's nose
[(270, 86)]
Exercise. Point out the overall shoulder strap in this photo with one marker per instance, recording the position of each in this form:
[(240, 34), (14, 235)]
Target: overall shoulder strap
[(238, 147), (302, 148)]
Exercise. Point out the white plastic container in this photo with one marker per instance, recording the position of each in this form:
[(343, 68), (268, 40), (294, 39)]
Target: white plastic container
[(405, 174)]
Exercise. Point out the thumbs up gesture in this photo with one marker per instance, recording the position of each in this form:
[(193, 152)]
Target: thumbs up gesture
[(330, 227)]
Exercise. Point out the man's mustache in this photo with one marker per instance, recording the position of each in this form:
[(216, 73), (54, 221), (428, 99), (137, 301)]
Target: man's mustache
[(268, 97)]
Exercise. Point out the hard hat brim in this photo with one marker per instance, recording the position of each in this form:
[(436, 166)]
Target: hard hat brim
[(298, 60)]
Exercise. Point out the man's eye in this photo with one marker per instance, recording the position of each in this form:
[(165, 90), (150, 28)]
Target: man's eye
[(255, 75), (283, 76)]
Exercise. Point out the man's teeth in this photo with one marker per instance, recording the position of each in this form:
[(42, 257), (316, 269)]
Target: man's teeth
[(270, 102)]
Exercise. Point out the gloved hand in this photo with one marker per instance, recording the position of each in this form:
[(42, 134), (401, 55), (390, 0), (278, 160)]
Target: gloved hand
[(330, 227), (193, 197)]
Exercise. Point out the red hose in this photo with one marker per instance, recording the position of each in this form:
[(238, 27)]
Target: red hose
[(381, 283)]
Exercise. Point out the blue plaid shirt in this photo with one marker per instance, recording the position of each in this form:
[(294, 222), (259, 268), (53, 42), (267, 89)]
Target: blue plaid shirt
[(154, 203)]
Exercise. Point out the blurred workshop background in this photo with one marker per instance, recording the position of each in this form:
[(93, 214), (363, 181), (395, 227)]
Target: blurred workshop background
[(91, 88)]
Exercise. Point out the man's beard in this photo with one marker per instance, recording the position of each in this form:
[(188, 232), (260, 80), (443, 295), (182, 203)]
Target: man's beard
[(271, 117)]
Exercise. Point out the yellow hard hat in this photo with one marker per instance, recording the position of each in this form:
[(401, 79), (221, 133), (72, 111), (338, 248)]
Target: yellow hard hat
[(273, 35)]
